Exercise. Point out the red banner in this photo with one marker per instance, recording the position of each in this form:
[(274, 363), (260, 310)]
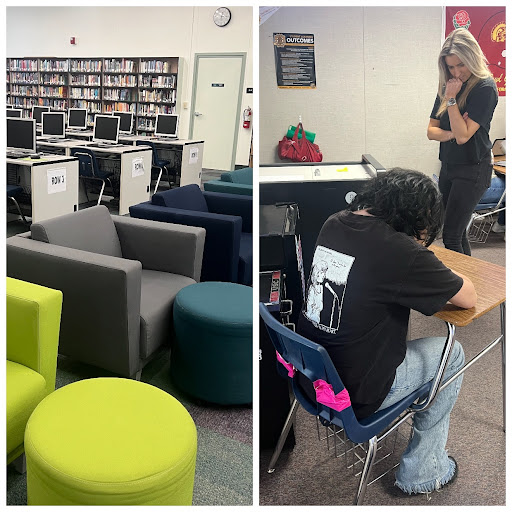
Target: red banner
[(488, 25)]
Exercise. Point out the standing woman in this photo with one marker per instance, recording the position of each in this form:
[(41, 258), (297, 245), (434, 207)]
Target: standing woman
[(460, 121)]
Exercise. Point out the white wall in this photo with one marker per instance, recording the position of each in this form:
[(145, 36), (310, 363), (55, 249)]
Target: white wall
[(377, 77), (136, 32)]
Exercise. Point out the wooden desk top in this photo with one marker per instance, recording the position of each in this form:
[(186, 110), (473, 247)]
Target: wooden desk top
[(497, 167), (489, 281)]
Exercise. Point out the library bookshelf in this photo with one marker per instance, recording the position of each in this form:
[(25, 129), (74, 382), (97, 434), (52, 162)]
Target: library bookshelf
[(146, 86)]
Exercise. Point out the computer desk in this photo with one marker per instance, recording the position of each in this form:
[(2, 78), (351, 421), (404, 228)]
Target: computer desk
[(191, 152), (489, 281), (500, 169), (60, 146), (52, 182), (135, 172), (80, 134)]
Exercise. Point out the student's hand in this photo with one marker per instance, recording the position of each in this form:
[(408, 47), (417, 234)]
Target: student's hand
[(453, 87)]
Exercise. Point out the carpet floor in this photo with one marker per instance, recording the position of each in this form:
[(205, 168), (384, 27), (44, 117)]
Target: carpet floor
[(224, 439)]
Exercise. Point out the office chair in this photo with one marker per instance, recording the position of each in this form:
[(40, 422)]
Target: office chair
[(88, 169), (157, 163), (483, 218), (301, 355), (12, 192)]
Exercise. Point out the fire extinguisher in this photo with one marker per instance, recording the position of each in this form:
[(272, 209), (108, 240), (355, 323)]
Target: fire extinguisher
[(247, 117)]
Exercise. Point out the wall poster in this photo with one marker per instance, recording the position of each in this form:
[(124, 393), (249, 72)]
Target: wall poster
[(488, 26), (295, 60)]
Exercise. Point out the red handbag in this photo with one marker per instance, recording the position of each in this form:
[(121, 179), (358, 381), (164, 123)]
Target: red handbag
[(299, 150)]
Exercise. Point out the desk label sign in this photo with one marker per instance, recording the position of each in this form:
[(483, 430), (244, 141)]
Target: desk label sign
[(137, 167), (217, 85), (56, 180), (194, 156)]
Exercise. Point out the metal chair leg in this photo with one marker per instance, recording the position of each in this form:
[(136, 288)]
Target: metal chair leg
[(168, 179), (503, 359), (158, 180), (19, 210), (284, 434), (101, 191), (365, 475)]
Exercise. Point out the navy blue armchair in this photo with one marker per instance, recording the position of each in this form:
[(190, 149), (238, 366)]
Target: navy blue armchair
[(227, 219)]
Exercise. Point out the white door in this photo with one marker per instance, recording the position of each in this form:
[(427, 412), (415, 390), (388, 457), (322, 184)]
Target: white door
[(216, 100)]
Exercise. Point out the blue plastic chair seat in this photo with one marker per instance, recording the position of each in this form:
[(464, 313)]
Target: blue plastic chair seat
[(311, 362), (14, 190), (161, 163)]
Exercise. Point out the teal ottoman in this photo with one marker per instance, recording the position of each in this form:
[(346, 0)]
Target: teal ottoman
[(211, 357)]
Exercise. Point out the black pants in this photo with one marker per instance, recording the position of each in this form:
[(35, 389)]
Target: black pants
[(462, 186)]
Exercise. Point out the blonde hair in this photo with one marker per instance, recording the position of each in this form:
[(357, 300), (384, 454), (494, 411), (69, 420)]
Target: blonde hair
[(463, 45)]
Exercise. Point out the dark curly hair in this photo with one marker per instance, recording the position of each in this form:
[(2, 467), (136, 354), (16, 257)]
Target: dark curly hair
[(409, 201)]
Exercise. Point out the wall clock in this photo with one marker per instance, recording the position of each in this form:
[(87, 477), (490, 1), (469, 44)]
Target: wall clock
[(222, 16)]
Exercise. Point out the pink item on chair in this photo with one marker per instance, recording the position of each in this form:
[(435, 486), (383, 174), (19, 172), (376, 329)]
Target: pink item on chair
[(288, 366), (325, 395)]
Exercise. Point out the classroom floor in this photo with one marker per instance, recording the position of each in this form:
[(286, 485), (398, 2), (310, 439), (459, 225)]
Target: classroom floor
[(310, 475), (224, 466)]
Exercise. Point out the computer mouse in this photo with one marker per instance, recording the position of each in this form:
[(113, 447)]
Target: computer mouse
[(35, 156)]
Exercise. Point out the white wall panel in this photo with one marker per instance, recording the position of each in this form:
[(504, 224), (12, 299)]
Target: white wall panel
[(329, 109), (377, 80), (135, 32)]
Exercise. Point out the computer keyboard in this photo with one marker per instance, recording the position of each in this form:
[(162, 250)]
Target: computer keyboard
[(101, 145), (16, 154)]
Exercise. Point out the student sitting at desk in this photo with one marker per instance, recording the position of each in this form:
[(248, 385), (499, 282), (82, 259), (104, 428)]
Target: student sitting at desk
[(371, 266)]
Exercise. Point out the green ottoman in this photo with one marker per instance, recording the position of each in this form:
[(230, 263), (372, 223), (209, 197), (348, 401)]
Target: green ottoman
[(110, 441), (211, 357)]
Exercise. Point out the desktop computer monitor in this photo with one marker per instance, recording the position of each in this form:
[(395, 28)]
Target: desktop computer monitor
[(167, 125), (54, 125), (13, 112), (77, 118), (126, 121), (21, 133), (37, 112), (106, 129)]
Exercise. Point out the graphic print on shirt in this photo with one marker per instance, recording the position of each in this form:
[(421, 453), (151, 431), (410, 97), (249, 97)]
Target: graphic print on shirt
[(326, 288)]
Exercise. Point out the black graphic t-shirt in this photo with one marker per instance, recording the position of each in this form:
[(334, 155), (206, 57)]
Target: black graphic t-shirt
[(365, 279), (480, 105)]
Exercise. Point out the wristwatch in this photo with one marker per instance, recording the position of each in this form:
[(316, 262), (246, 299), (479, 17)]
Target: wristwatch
[(451, 102)]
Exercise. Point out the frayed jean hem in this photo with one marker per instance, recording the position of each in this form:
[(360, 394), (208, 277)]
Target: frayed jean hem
[(431, 486)]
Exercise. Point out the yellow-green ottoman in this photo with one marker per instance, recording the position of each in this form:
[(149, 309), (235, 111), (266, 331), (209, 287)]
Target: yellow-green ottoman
[(110, 441)]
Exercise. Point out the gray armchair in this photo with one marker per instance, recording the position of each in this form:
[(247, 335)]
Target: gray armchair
[(119, 277)]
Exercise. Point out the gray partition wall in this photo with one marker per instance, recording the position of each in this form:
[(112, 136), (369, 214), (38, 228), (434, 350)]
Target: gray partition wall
[(376, 76)]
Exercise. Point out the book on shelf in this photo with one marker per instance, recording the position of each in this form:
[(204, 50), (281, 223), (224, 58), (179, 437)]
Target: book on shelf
[(145, 86)]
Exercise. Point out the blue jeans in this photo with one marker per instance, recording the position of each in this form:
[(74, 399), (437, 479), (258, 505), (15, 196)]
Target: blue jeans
[(492, 195), (424, 465)]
